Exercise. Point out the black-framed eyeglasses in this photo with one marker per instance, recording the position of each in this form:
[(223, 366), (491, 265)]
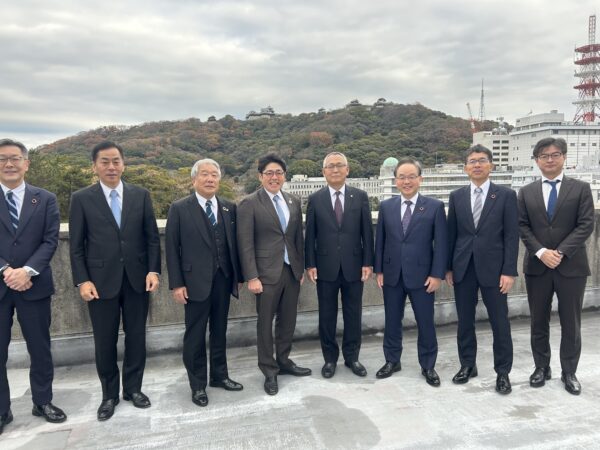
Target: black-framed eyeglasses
[(547, 156), (273, 173), (339, 166), (472, 162)]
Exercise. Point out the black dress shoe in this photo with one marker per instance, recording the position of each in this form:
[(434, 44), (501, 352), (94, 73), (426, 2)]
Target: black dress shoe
[(388, 369), (5, 419), (571, 384), (226, 383), (328, 370), (463, 375), (503, 384), (139, 399), (431, 377), (49, 412), (539, 376), (293, 369), (199, 397), (357, 368), (271, 387), (107, 408)]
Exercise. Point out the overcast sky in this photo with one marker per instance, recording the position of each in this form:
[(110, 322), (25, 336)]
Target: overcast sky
[(70, 65)]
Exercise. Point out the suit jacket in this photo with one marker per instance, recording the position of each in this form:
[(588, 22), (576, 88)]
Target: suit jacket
[(571, 225), (329, 246), (33, 243), (190, 249), (418, 254), (101, 251), (493, 245), (262, 242)]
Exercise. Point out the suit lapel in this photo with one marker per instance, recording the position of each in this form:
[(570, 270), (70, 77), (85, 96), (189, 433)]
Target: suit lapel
[(290, 204), (128, 203), (264, 198), (197, 214), (565, 189), (226, 215), (348, 202), (30, 202), (538, 197), (464, 207), (100, 200), (489, 203), (5, 215), (325, 199)]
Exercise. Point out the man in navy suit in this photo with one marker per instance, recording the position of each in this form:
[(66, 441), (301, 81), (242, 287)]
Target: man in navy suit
[(410, 259), (483, 234), (28, 240), (339, 256)]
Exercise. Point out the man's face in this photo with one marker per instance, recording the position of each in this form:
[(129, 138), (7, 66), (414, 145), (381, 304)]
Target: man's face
[(551, 162), (109, 167), (335, 171), (478, 167), (408, 180), (12, 166), (207, 180), (272, 177)]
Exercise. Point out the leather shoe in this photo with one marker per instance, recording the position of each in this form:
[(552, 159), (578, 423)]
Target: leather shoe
[(571, 384), (107, 408), (357, 368), (200, 398), (539, 376), (463, 375), (328, 370), (431, 377), (49, 412), (271, 387), (503, 384), (226, 383), (388, 369), (5, 419), (139, 399), (293, 369)]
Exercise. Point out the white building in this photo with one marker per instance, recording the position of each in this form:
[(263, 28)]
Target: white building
[(498, 141), (303, 186)]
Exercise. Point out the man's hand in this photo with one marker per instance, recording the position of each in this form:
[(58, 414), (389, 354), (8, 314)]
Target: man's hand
[(366, 273), (432, 284), (88, 291), (379, 278), (17, 279), (551, 258), (180, 295), (255, 286), (449, 278), (506, 283), (151, 282), (312, 274)]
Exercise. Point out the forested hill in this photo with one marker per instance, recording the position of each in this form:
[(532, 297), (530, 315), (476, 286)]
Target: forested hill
[(366, 136)]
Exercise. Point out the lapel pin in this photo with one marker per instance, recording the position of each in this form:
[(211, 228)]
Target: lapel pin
[(290, 202), (421, 209), (493, 196), (34, 201), (351, 196), (225, 209)]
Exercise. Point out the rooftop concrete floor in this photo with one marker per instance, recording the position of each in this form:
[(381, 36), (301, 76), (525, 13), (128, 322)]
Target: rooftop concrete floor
[(345, 412)]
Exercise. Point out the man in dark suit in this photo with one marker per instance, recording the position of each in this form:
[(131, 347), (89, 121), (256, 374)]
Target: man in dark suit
[(115, 262), (556, 217), (200, 226), (28, 240), (271, 248), (483, 233), (411, 249), (338, 257)]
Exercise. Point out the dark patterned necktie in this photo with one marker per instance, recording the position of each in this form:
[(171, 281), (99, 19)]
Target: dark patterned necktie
[(12, 209), (552, 198), (339, 211), (210, 214), (407, 216), (477, 206)]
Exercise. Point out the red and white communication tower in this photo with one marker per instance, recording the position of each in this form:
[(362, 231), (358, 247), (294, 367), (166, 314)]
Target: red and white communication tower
[(587, 58)]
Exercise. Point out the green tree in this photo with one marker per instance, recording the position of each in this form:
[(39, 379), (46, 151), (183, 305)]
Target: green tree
[(304, 167)]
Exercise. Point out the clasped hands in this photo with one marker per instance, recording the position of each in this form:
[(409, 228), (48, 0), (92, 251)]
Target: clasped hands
[(17, 279)]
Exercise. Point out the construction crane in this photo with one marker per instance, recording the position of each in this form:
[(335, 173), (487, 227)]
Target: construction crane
[(471, 119)]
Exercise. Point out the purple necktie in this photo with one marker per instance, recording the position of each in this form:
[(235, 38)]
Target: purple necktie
[(339, 212), (407, 215)]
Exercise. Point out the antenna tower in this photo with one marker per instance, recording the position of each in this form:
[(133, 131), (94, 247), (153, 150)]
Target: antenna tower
[(481, 106), (587, 58)]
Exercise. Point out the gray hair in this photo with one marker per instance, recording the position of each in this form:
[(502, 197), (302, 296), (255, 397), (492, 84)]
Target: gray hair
[(334, 154), (13, 143), (409, 160), (200, 162)]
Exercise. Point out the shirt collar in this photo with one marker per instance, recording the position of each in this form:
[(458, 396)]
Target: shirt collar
[(558, 178), (484, 187), (332, 191), (16, 191), (202, 201), (273, 195), (413, 199), (107, 190)]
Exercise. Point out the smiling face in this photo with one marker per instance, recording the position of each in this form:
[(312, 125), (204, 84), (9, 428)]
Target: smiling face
[(335, 171), (272, 177), (478, 167), (551, 161), (109, 166), (408, 180), (12, 166), (207, 180)]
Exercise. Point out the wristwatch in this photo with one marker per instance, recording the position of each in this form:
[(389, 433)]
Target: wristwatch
[(30, 272), (3, 268)]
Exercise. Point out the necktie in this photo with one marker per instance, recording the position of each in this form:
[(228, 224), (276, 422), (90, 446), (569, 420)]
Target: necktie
[(477, 206), (339, 212), (552, 198), (283, 224), (407, 216), (115, 207), (210, 214), (12, 209)]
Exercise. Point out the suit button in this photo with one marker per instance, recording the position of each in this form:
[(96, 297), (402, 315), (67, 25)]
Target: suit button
[(122, 242), (120, 259)]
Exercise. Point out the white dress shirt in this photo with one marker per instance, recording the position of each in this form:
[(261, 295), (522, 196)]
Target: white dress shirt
[(213, 205), (485, 188), (107, 190), (332, 195)]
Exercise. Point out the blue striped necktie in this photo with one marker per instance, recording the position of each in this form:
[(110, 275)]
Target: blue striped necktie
[(210, 214), (12, 209)]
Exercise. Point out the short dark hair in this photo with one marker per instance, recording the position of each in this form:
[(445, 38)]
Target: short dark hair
[(478, 148), (105, 145), (543, 144), (13, 143), (408, 160), (264, 161)]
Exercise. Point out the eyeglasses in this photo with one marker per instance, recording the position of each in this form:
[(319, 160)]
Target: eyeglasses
[(472, 162), (409, 177), (12, 159), (273, 173), (339, 166), (547, 156)]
